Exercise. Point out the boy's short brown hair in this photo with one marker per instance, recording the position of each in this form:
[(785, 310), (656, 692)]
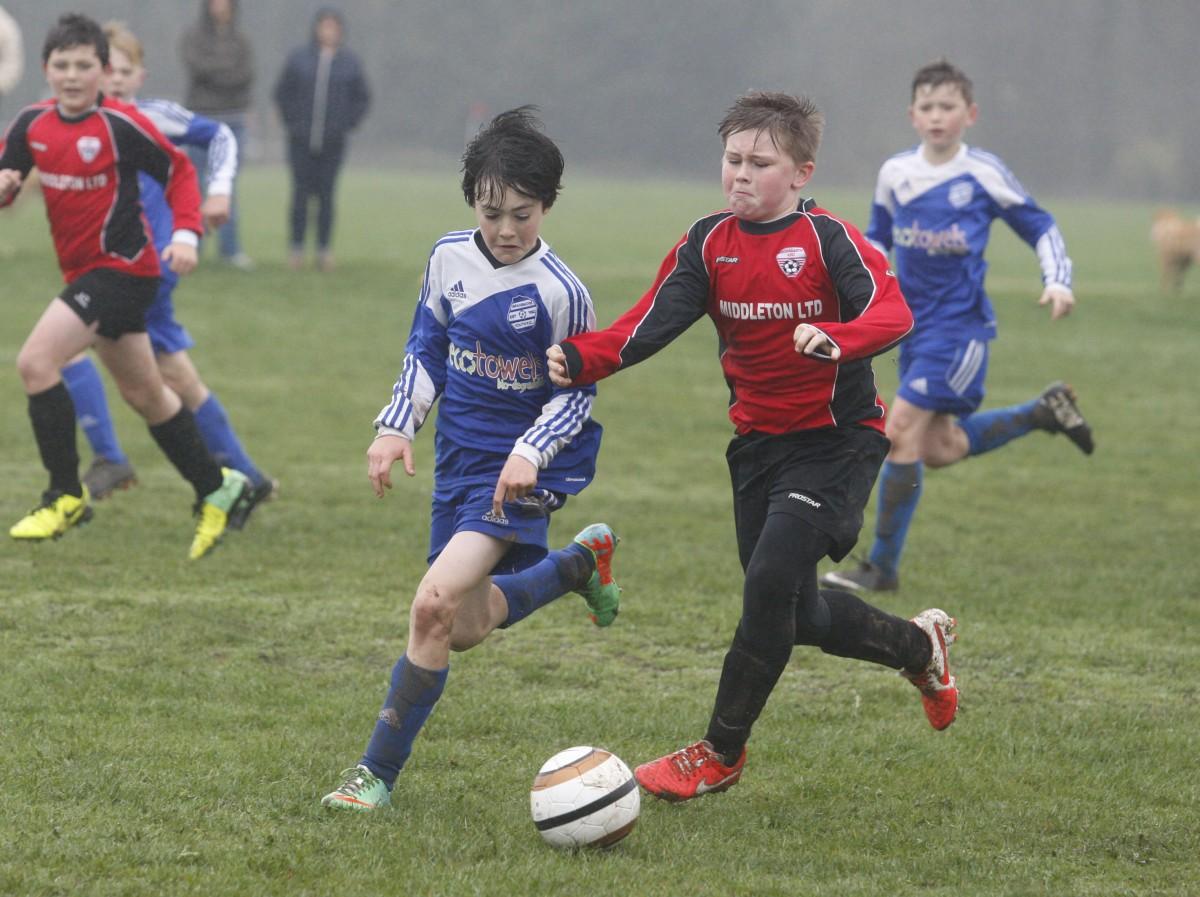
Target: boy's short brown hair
[(935, 74), (794, 123)]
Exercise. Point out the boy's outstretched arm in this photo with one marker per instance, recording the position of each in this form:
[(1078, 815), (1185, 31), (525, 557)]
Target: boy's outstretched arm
[(677, 299)]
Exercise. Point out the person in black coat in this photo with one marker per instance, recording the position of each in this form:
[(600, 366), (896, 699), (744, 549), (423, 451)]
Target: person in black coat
[(322, 95)]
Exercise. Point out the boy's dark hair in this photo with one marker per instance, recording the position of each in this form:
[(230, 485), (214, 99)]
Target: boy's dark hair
[(75, 30), (793, 123), (512, 153), (940, 72)]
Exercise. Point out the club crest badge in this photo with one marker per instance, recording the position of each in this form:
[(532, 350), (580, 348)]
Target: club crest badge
[(89, 148), (791, 260), (522, 314), (960, 194)]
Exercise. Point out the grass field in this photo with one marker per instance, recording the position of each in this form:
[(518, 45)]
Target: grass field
[(167, 728)]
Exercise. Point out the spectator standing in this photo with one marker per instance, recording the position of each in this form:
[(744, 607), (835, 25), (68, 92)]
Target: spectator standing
[(12, 55), (322, 96), (219, 60)]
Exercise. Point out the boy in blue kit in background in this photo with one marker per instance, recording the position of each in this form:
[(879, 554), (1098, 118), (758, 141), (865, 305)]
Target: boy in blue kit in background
[(509, 446), (933, 207), (110, 469)]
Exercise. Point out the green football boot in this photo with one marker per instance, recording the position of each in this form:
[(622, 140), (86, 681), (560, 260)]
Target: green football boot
[(602, 594), (360, 790)]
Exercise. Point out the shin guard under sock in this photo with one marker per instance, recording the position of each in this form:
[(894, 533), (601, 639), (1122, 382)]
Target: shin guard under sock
[(552, 577), (180, 441), (52, 415), (863, 632), (747, 680), (414, 692)]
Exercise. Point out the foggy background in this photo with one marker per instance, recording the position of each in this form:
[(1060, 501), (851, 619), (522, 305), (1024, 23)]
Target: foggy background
[(1079, 97)]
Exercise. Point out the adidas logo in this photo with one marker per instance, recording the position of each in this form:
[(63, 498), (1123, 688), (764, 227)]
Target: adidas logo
[(456, 291)]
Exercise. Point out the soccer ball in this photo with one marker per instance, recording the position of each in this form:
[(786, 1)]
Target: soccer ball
[(584, 797)]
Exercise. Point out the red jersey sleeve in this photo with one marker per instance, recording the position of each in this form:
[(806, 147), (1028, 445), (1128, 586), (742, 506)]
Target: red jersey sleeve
[(678, 298), (141, 143), (14, 148), (877, 316)]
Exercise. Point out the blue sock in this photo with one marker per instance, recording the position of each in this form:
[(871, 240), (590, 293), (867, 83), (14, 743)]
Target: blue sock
[(987, 430), (409, 702), (222, 442), (552, 577), (91, 409), (899, 492)]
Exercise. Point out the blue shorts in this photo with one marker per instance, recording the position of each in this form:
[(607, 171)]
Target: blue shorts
[(946, 377), (526, 523), (166, 334)]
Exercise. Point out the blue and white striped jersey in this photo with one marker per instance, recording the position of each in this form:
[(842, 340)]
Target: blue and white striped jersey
[(185, 128), (478, 341), (936, 219)]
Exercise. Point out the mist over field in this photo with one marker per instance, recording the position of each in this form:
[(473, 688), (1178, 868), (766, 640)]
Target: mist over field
[(1083, 98)]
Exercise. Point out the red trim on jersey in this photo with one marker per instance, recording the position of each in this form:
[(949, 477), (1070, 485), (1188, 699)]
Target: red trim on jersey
[(758, 282), (88, 168)]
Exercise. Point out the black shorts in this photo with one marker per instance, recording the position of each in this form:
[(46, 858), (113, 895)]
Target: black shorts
[(824, 477), (118, 301)]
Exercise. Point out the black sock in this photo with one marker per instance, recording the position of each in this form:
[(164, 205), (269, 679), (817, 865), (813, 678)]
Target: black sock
[(52, 414), (180, 440), (747, 680), (863, 632)]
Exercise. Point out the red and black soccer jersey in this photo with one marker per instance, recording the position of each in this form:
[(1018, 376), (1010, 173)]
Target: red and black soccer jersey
[(758, 282), (89, 175)]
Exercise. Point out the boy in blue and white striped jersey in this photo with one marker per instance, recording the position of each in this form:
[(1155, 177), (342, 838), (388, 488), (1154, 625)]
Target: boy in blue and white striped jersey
[(510, 446), (933, 208)]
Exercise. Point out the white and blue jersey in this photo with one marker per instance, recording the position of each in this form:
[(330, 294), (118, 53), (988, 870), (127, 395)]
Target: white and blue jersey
[(478, 343), (184, 128), (936, 220)]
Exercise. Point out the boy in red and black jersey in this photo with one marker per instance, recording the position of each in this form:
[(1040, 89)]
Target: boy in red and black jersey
[(88, 150), (801, 301)]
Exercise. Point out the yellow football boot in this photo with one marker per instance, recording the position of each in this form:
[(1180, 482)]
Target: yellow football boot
[(213, 512), (56, 514)]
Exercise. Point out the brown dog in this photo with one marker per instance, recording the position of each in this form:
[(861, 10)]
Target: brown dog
[(1177, 240)]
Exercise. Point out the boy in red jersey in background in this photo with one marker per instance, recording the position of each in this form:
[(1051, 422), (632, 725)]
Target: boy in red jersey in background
[(88, 150), (801, 302)]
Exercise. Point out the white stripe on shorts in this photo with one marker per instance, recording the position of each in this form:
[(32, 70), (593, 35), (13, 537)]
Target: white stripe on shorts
[(962, 376)]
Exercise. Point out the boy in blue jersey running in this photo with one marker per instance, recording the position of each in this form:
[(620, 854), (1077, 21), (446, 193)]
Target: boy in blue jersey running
[(110, 469), (510, 447), (933, 207)]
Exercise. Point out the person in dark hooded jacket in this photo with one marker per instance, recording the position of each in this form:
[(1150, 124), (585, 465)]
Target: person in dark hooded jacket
[(219, 60), (322, 95)]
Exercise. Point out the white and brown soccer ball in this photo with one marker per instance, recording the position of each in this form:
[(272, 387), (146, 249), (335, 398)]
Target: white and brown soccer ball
[(584, 797)]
